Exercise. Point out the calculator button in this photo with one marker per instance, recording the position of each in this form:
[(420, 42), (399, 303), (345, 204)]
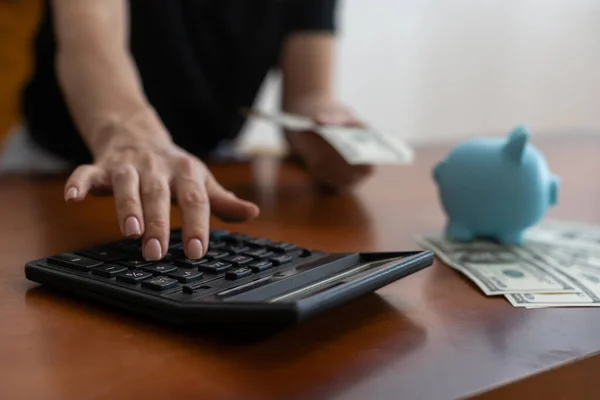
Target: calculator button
[(187, 263), (134, 248), (216, 254), (160, 283), (74, 261), (237, 248), (259, 242), (215, 266), (104, 253), (216, 234), (175, 235), (236, 237), (237, 273), (126, 244), (216, 245), (259, 253), (132, 264), (175, 246), (186, 276), (281, 259), (259, 266), (108, 270), (160, 269), (283, 247), (173, 254), (238, 259), (133, 276), (305, 253)]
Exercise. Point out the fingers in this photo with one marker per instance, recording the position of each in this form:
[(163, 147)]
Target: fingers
[(227, 206), (156, 200), (84, 178), (339, 117), (142, 196), (198, 194), (194, 204), (126, 191)]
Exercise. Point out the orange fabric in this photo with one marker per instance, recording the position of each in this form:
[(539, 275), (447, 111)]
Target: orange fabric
[(18, 22)]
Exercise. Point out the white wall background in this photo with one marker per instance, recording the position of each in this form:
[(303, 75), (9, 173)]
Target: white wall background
[(441, 69)]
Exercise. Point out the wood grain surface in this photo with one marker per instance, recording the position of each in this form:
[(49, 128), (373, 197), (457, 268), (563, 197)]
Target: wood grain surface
[(433, 335)]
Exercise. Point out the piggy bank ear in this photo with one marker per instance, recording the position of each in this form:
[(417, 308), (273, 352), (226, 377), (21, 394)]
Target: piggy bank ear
[(516, 143)]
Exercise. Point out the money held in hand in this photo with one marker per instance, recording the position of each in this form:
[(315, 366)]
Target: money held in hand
[(356, 145)]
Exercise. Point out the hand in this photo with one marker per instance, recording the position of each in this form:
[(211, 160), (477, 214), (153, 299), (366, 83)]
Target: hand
[(321, 160), (143, 171)]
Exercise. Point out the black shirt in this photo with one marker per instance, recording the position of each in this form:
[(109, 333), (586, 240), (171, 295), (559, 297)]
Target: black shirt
[(199, 62)]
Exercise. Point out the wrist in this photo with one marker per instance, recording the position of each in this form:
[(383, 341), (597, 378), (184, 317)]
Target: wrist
[(141, 126)]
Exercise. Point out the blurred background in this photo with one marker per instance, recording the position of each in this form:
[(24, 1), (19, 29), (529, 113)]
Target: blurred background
[(427, 70), (433, 70)]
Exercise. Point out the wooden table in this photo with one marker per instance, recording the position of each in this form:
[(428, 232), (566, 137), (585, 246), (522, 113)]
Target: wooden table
[(432, 335)]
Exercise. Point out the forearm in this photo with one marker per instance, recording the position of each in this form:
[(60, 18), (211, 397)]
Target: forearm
[(307, 67), (95, 70)]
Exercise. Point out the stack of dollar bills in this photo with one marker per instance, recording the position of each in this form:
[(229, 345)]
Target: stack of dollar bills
[(557, 266), (356, 145)]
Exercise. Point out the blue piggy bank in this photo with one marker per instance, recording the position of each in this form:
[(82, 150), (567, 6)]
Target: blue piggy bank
[(495, 188)]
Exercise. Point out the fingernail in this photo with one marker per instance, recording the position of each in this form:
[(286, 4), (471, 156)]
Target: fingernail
[(194, 249), (132, 227), (71, 194), (152, 250)]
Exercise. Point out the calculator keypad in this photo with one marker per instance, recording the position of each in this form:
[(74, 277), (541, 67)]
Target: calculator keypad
[(231, 260), (74, 261), (133, 276), (108, 270)]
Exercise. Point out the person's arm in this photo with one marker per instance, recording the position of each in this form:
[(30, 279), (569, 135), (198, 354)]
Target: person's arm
[(95, 69), (307, 65), (134, 156), (307, 56), (307, 69)]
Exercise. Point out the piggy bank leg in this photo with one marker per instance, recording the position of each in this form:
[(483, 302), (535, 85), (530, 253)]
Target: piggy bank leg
[(512, 238), (459, 232)]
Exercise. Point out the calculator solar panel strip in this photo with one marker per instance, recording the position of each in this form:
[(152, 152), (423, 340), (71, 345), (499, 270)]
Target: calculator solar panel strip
[(242, 280)]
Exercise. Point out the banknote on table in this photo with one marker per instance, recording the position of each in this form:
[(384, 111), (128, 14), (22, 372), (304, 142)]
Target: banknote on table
[(580, 267), (569, 235), (555, 253), (497, 269), (356, 145)]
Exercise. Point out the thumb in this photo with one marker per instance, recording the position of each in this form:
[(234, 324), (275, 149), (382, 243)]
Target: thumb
[(227, 206), (332, 117), (339, 117)]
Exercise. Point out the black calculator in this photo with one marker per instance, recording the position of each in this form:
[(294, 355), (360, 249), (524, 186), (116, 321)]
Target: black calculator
[(240, 282)]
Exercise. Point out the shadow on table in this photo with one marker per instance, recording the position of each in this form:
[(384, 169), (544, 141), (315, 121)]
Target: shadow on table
[(490, 321), (330, 350)]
